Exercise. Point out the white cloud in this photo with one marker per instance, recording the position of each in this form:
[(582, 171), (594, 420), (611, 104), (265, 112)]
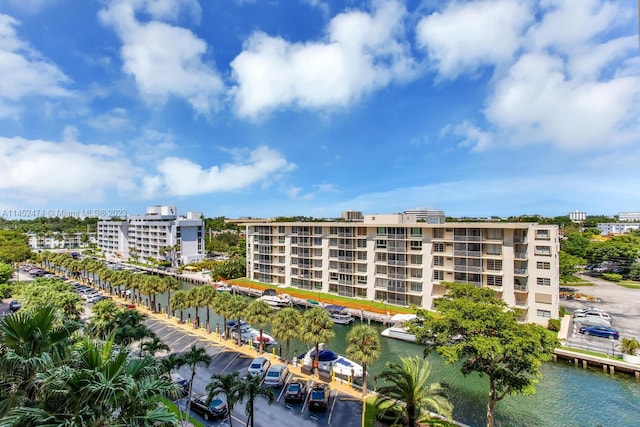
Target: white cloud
[(171, 9), (472, 136), (63, 170), (23, 71), (465, 36), (183, 177), (537, 102), (113, 120), (362, 52), (164, 60)]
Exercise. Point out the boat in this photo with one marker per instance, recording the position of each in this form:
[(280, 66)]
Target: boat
[(275, 300), (249, 333), (222, 287), (328, 361), (339, 314), (398, 330)]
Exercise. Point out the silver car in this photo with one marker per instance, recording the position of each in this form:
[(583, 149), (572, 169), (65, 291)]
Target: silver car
[(592, 321), (276, 376)]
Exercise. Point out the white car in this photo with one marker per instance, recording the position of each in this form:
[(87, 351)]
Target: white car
[(594, 313), (94, 298), (276, 376), (591, 321), (259, 366)]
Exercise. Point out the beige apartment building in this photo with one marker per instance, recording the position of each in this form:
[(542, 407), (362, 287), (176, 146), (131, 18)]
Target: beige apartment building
[(401, 261)]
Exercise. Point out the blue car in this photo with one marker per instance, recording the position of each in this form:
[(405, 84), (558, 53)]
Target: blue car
[(600, 331)]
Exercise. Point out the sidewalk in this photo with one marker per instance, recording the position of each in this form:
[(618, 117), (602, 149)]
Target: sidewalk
[(337, 384)]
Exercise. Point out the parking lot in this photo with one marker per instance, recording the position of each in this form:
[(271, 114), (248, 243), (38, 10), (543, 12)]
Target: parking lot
[(621, 303), (342, 409)]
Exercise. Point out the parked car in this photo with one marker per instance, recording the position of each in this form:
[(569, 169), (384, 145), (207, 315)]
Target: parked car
[(181, 383), (276, 376), (214, 410), (259, 366), (319, 397), (591, 321), (296, 391), (594, 313), (93, 298), (14, 306), (600, 331)]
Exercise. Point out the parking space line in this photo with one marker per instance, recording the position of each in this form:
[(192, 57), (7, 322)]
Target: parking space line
[(232, 360), (284, 386), (335, 399)]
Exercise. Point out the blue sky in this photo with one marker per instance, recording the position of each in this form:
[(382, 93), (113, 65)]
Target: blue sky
[(310, 107)]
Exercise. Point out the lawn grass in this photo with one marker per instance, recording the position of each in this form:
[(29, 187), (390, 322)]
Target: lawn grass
[(590, 353), (173, 408), (369, 415), (631, 284), (358, 304)]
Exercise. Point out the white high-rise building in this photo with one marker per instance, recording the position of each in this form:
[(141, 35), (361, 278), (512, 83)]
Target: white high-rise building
[(159, 234), (388, 258), (577, 216)]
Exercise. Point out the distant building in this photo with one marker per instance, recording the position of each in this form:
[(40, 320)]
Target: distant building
[(160, 234), (577, 216), (352, 216), (61, 240), (428, 215), (617, 227), (629, 216), (402, 262)]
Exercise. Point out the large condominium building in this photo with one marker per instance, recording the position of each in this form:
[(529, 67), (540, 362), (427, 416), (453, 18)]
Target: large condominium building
[(617, 227), (629, 216), (395, 259), (159, 234), (60, 240)]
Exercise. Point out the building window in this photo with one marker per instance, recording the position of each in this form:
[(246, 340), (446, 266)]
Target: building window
[(415, 287), (381, 244), (494, 280), (542, 234), (362, 243), (438, 247), (438, 275), (438, 261), (438, 233), (543, 265), (381, 231), (416, 259), (543, 313), (416, 232), (317, 230), (416, 245), (494, 264), (493, 234), (543, 281), (543, 250)]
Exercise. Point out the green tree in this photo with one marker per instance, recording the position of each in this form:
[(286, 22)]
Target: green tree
[(153, 346), (170, 284), (317, 328), (569, 264), (408, 393), (259, 313), (287, 326), (576, 244), (179, 302), (252, 389), (195, 357), (222, 305), (227, 384), (6, 271), (237, 309), (475, 327), (363, 346)]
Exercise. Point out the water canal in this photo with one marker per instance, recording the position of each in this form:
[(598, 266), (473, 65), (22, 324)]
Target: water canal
[(566, 395)]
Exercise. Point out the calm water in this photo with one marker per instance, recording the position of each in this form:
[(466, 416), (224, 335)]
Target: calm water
[(565, 396)]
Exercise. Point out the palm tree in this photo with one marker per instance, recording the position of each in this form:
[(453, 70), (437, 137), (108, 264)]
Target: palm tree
[(206, 296), (228, 385), (221, 303), (31, 343), (195, 357), (180, 301), (251, 389), (408, 392), (197, 300), (260, 313), (287, 326), (317, 328), (363, 346), (154, 346), (170, 284), (237, 308)]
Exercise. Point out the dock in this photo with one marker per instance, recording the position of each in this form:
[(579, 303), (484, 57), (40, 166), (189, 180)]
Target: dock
[(608, 365)]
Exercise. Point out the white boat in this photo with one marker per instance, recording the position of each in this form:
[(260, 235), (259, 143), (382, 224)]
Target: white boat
[(275, 300), (329, 361), (222, 287), (339, 314), (398, 330), (249, 334)]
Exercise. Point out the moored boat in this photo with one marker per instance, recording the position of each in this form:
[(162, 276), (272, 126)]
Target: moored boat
[(275, 300), (328, 361), (398, 330), (339, 314), (250, 334)]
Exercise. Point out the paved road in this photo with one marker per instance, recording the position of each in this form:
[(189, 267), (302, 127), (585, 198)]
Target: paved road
[(343, 410), (621, 303)]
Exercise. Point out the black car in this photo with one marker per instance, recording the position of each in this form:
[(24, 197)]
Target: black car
[(319, 397), (216, 409), (296, 391), (14, 306)]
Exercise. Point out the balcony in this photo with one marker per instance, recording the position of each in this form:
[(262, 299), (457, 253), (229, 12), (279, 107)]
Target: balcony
[(397, 249), (519, 239), (396, 262), (521, 288), (520, 271), (458, 238), (524, 304), (397, 276), (472, 254), (396, 236), (467, 268), (520, 255)]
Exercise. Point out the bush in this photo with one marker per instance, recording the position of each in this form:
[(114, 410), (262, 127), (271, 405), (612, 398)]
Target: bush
[(5, 290), (630, 346), (554, 325), (612, 277)]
